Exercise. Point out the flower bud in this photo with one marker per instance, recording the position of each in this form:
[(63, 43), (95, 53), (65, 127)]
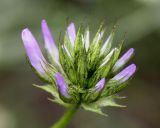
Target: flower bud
[(119, 82), (34, 53), (62, 86), (71, 32), (49, 42), (125, 74), (99, 86), (123, 60)]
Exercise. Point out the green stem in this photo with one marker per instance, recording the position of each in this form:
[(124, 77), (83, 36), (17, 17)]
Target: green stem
[(64, 121)]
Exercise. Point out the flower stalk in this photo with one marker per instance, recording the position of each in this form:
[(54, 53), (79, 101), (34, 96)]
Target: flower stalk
[(67, 117)]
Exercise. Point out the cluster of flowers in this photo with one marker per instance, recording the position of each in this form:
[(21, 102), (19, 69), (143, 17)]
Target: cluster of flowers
[(80, 70)]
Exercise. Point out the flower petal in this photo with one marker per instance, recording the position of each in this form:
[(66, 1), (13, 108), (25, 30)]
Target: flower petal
[(71, 32), (49, 42), (123, 60), (99, 86), (33, 52), (62, 86), (125, 74)]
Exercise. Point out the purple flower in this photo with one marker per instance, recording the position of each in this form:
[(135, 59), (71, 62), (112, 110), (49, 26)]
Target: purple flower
[(71, 32), (123, 60), (99, 86), (125, 74), (33, 52), (49, 42), (62, 86)]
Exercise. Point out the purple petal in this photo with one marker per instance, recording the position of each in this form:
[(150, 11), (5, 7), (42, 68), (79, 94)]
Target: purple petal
[(71, 32), (99, 86), (125, 74), (123, 60), (33, 52), (62, 86), (49, 42)]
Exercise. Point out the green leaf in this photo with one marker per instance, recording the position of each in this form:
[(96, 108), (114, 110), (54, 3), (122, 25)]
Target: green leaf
[(90, 96), (59, 101), (67, 43), (48, 88), (67, 65), (108, 101), (102, 102), (80, 59), (108, 44), (117, 52), (94, 49), (92, 108), (101, 72), (78, 46)]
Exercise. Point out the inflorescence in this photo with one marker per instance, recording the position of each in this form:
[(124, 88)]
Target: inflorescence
[(80, 70)]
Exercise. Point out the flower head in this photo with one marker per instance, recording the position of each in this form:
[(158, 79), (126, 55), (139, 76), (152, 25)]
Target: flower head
[(80, 70)]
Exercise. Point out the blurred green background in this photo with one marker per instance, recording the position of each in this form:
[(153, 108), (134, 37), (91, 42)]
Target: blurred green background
[(24, 106)]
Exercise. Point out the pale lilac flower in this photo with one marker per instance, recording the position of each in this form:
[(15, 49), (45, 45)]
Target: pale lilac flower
[(99, 86), (71, 32), (62, 86), (33, 52), (125, 74), (49, 42), (123, 60)]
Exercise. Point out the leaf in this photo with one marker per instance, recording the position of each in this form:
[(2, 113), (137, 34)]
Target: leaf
[(80, 59), (94, 49), (102, 102), (48, 88), (101, 72), (67, 43), (89, 107), (59, 101), (107, 44), (78, 46), (67, 65), (108, 101), (117, 52)]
